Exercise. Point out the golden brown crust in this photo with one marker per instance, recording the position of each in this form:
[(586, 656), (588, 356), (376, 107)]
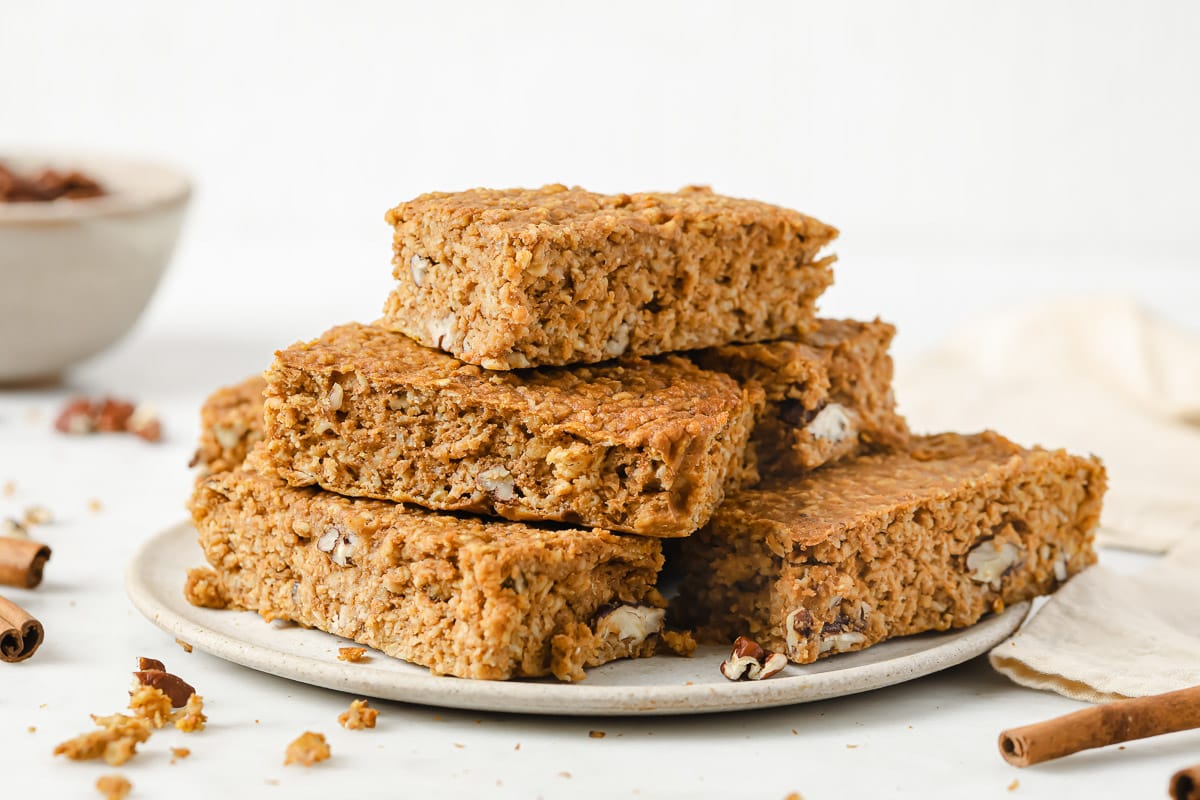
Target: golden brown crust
[(519, 278), (632, 445), (890, 544), (462, 595)]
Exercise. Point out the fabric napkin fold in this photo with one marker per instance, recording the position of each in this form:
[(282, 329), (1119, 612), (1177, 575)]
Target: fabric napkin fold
[(1100, 376)]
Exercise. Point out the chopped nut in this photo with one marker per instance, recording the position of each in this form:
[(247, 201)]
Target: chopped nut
[(176, 689), (339, 544), (191, 718), (749, 661), (990, 561), (151, 703), (1060, 567), (681, 643), (418, 266), (113, 787), (307, 749), (596, 734), (187, 648), (831, 423), (13, 529), (38, 515), (111, 415), (358, 716), (841, 642), (351, 654), (76, 418), (333, 400), (499, 482), (150, 664), (629, 622), (145, 424), (108, 415), (204, 589)]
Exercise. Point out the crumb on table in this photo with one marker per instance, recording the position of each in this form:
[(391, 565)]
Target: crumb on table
[(306, 749), (191, 718), (151, 704), (351, 654), (113, 787), (358, 716)]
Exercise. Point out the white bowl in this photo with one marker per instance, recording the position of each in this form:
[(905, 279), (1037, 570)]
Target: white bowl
[(76, 274)]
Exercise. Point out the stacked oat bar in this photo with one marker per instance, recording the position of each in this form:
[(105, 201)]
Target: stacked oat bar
[(480, 481)]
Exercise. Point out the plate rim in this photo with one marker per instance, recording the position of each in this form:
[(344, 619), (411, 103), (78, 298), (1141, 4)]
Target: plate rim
[(545, 698)]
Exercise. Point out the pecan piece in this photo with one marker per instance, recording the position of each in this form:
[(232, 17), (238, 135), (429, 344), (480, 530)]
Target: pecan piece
[(749, 661)]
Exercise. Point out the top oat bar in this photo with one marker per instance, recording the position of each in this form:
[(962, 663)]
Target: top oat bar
[(516, 278)]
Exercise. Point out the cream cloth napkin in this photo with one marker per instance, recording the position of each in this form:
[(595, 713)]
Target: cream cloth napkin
[(1097, 376)]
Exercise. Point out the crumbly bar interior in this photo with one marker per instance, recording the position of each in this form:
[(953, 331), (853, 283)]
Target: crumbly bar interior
[(520, 278), (828, 395), (460, 595), (889, 545), (634, 446), (230, 425)]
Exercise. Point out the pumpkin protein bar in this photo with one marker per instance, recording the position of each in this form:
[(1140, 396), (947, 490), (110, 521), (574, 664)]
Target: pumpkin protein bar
[(641, 446), (517, 278), (230, 425), (885, 545), (828, 395), (463, 596)]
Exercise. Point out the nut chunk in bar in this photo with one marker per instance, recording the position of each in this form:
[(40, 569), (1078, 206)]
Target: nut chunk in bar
[(463, 596), (230, 425), (828, 395), (541, 277), (637, 446), (892, 544)]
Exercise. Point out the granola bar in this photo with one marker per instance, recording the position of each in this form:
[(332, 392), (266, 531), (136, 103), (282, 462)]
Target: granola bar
[(635, 445), (520, 278), (461, 595), (892, 544), (828, 395), (230, 425)]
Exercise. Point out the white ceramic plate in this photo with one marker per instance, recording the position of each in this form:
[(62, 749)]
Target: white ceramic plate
[(660, 685)]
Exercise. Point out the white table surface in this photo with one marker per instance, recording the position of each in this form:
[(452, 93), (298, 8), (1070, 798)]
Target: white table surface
[(934, 737)]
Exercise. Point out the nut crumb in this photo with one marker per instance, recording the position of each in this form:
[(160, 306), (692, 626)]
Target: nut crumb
[(113, 787), (358, 716), (306, 749), (794, 796), (81, 416), (116, 741), (564, 774), (38, 515), (851, 747), (795, 732), (749, 661), (681, 643), (179, 753), (95, 506), (1012, 787), (459, 745), (187, 648), (151, 704), (10, 488), (597, 734), (32, 729), (204, 589), (352, 654), (13, 529), (517, 746), (191, 718)]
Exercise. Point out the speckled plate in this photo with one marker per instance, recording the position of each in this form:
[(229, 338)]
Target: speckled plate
[(661, 685)]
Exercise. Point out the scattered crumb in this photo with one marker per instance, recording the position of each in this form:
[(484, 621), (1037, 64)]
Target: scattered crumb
[(82, 416), (191, 718), (113, 787), (688, 683), (307, 749), (517, 746), (13, 529), (204, 589), (795, 732), (851, 747), (351, 654), (32, 729), (272, 781), (151, 704), (794, 796), (43, 705), (564, 774), (1012, 787), (179, 753), (1122, 747), (597, 734), (38, 515), (459, 745), (116, 741), (358, 716), (95, 506), (681, 643), (10, 488), (187, 648)]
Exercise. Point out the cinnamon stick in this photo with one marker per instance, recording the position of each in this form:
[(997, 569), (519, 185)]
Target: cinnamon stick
[(20, 634), (1099, 726), (1185, 784), (22, 562)]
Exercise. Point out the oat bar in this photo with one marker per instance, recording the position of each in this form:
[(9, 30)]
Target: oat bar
[(892, 544), (635, 445), (230, 425), (520, 278), (828, 395), (460, 595)]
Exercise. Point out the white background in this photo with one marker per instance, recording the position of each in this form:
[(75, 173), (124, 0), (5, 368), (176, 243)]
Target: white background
[(974, 156)]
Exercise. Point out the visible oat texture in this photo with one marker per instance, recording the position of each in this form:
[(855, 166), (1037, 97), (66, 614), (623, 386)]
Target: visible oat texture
[(464, 596), (230, 425), (887, 545), (521, 278), (828, 395), (635, 445)]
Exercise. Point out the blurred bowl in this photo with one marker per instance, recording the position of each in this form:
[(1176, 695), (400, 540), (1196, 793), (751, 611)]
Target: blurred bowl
[(75, 275)]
